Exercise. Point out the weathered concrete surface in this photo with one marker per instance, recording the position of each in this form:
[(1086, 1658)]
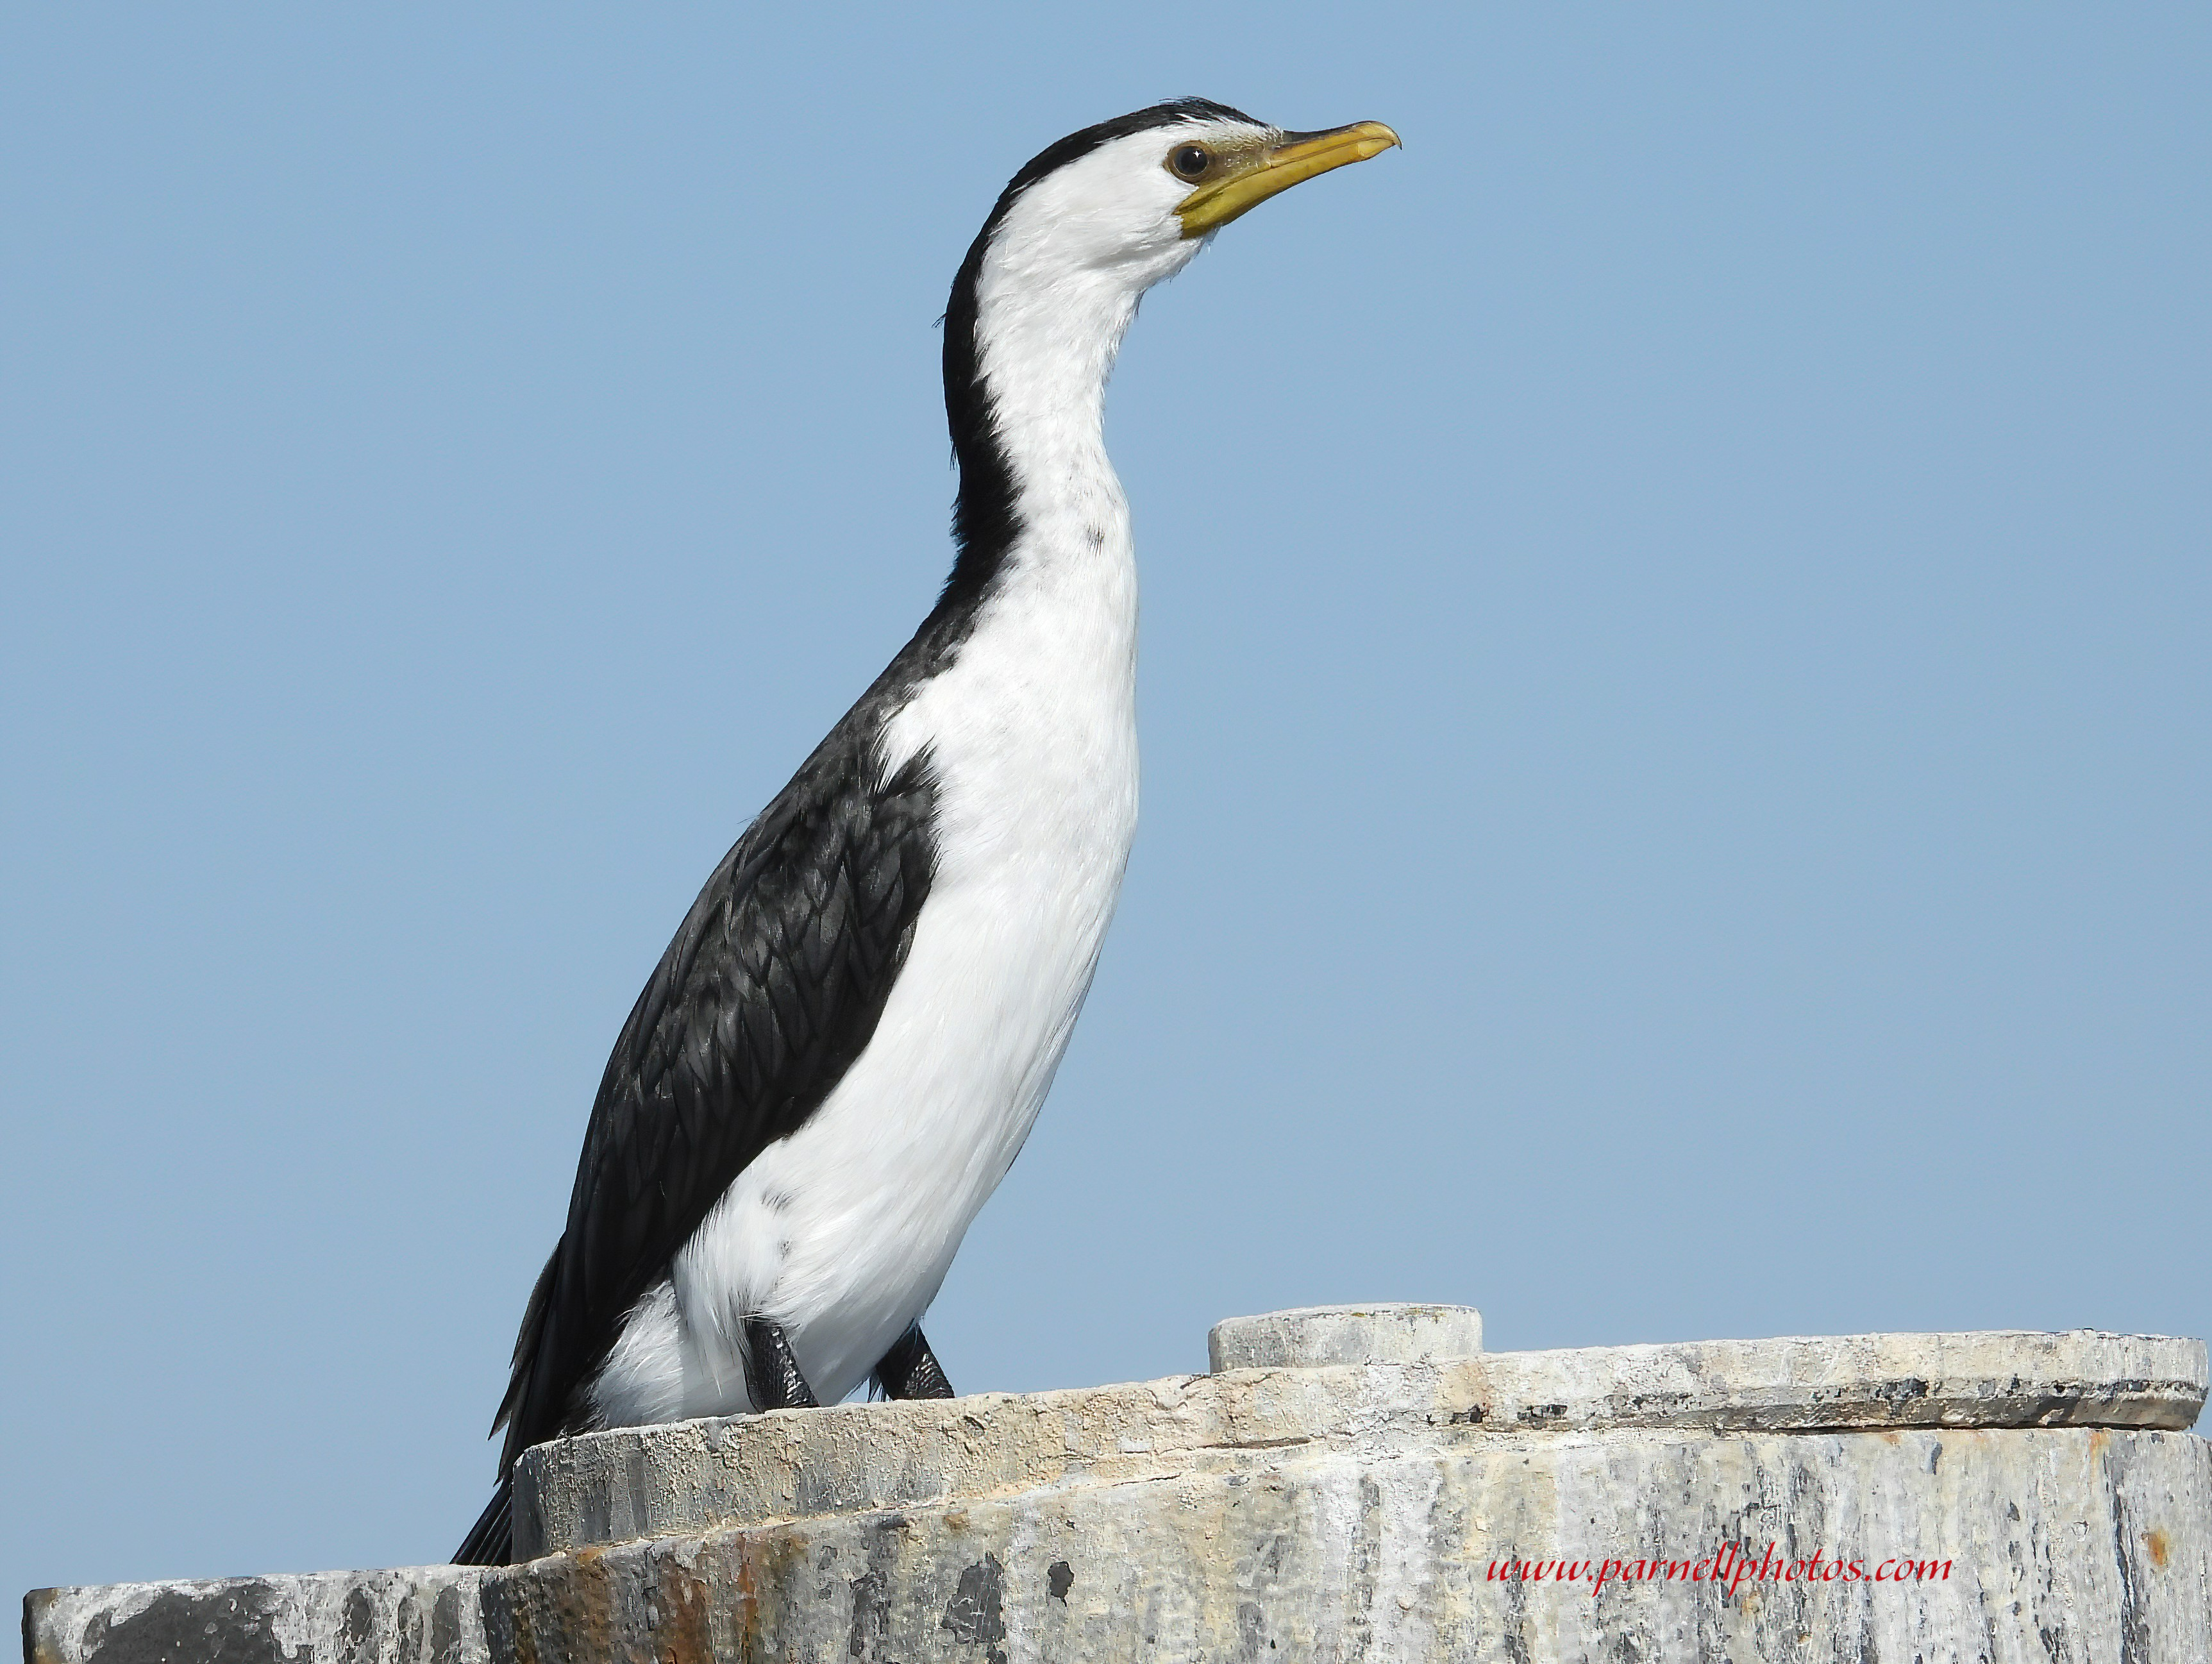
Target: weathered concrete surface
[(690, 1476), (433, 1614), (2071, 1544), (2074, 1544), (1310, 1336), (1351, 1511), (1997, 1378)]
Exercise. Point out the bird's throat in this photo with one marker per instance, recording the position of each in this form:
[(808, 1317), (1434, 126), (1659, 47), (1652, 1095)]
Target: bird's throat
[(1025, 385), (1043, 369)]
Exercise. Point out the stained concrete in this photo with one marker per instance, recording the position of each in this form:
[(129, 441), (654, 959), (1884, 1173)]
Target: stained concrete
[(433, 1614), (691, 1476), (1334, 1511)]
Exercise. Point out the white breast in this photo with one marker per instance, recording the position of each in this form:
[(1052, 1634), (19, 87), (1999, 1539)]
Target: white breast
[(842, 1232)]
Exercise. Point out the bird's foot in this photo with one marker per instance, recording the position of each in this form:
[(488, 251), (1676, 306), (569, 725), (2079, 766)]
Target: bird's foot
[(910, 1370), (771, 1370)]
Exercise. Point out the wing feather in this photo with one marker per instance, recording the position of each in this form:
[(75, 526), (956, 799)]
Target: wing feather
[(771, 988)]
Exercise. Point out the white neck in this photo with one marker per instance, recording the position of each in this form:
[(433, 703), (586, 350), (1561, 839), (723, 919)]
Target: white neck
[(1045, 351)]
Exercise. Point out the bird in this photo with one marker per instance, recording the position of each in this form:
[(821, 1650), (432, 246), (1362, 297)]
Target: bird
[(847, 1043)]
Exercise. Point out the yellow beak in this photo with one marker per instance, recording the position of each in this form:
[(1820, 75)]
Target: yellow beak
[(1279, 166)]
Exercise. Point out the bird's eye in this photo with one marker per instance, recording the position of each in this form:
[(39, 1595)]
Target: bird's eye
[(1189, 161)]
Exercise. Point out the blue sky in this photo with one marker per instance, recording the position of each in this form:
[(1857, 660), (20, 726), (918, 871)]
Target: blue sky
[(1674, 687)]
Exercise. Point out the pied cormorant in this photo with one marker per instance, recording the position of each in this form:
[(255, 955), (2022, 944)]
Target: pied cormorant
[(840, 1054)]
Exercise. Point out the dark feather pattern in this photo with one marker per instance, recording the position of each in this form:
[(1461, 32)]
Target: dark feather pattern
[(770, 991), (771, 988)]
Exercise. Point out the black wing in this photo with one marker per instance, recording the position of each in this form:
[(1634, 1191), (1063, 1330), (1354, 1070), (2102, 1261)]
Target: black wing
[(770, 990)]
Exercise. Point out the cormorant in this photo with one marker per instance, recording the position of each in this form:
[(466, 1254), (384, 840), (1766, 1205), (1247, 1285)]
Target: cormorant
[(840, 1054)]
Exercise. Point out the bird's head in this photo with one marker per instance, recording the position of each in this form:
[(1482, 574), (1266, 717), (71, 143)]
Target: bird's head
[(1130, 200), (1078, 234)]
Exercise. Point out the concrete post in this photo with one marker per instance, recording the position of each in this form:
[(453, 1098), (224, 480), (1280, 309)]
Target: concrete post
[(1353, 1483)]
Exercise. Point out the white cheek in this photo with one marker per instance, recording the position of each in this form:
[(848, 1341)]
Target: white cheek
[(1113, 209)]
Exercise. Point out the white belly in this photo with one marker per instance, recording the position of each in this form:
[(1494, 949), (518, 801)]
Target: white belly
[(842, 1232)]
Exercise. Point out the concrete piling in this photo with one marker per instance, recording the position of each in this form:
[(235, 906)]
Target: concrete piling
[(1349, 1483)]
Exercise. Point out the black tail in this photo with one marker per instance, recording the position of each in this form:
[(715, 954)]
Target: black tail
[(491, 1541)]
